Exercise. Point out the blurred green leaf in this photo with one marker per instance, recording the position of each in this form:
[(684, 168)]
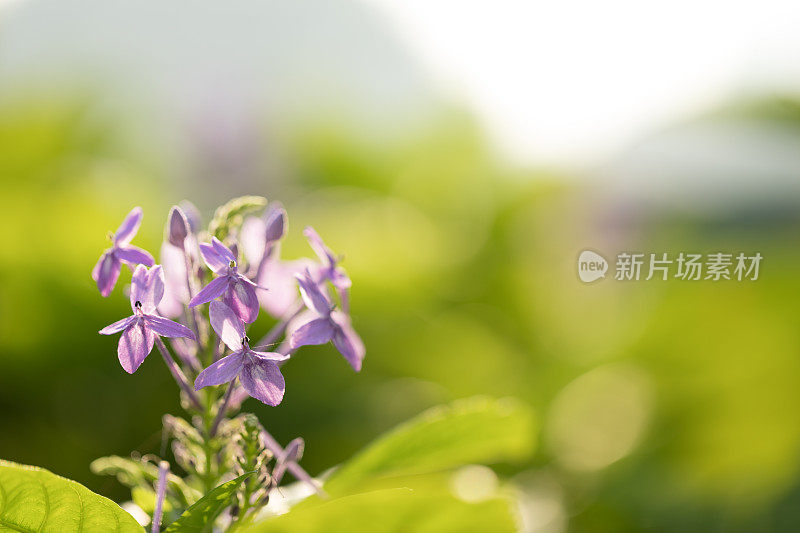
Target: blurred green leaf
[(394, 510), (34, 499), (231, 214), (201, 515), (142, 474), (475, 430)]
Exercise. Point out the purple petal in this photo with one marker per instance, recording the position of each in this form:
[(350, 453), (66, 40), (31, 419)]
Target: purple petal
[(147, 288), (177, 227), (278, 277), (138, 286), (226, 324), (155, 289), (214, 261), (106, 272), (318, 331), (312, 295), (192, 215), (241, 298), (176, 293), (216, 287), (323, 252), (275, 223), (222, 250), (127, 230), (270, 356), (135, 255), (347, 341), (340, 279), (167, 328), (134, 345), (263, 381), (251, 237), (220, 372), (117, 326)]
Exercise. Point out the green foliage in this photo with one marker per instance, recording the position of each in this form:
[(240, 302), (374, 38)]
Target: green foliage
[(394, 510), (34, 499), (231, 214), (200, 516), (475, 430), (140, 474)]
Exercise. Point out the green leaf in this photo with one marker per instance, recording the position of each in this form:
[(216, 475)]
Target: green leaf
[(232, 214), (393, 510), (201, 515), (34, 499), (475, 430), (142, 474)]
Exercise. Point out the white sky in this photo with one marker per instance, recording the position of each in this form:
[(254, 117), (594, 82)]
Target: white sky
[(573, 81)]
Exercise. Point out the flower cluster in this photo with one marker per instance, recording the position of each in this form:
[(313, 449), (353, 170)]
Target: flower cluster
[(235, 268), (209, 289)]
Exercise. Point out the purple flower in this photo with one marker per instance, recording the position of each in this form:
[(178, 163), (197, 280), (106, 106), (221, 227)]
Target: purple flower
[(329, 325), (238, 292), (140, 329), (106, 271), (258, 372), (260, 235), (330, 268)]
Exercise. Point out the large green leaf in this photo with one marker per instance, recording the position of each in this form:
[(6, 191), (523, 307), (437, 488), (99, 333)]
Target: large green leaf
[(201, 515), (475, 430), (34, 499), (395, 510)]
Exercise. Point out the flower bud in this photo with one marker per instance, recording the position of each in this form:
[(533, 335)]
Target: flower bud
[(177, 227), (275, 223)]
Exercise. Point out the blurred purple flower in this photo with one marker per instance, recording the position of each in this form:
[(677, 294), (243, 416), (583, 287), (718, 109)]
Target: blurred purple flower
[(327, 325), (258, 372), (260, 239), (176, 290), (106, 271), (238, 292), (260, 235), (329, 268), (140, 329)]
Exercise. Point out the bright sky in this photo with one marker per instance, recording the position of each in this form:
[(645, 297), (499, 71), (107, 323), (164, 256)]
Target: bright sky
[(572, 81)]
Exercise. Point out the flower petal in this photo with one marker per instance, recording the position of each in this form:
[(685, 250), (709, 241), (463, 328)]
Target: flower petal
[(275, 223), (134, 345), (216, 287), (347, 341), (222, 250), (135, 255), (241, 298), (214, 261), (226, 324), (117, 326), (168, 328), (127, 230), (270, 356), (312, 295), (323, 252), (318, 331), (155, 289), (106, 272), (138, 291), (177, 227), (263, 381), (278, 277), (176, 293), (251, 238), (220, 372)]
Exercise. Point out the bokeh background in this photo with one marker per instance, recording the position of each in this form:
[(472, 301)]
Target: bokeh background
[(461, 155)]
